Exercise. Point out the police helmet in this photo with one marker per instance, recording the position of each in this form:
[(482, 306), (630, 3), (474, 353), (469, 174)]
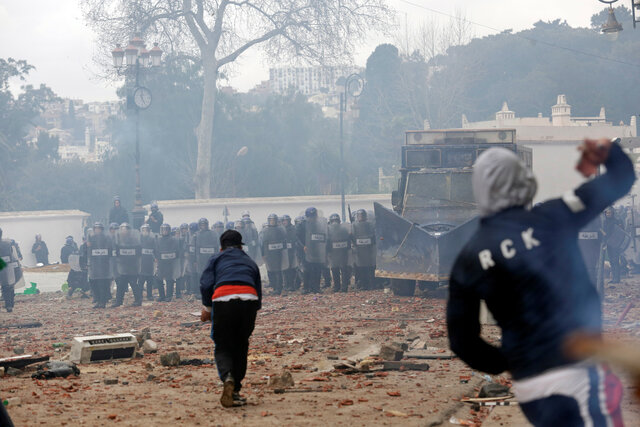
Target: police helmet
[(311, 212), (299, 220), (145, 227), (175, 231), (98, 225), (154, 206), (334, 218), (361, 213), (218, 224), (272, 220), (193, 227), (184, 226), (113, 226), (69, 240), (230, 225), (246, 214), (165, 229), (125, 225), (203, 223), (285, 218)]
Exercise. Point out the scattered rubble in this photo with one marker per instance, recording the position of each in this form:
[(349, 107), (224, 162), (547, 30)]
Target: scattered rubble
[(149, 346), (281, 381), (170, 359), (56, 369), (388, 352)]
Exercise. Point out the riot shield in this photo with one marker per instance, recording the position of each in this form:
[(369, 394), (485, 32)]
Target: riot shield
[(316, 240), (128, 251), (339, 244), (168, 255)]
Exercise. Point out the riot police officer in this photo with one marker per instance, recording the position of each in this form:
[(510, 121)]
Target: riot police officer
[(289, 274), (218, 227), (77, 277), (128, 251), (156, 219), (7, 273), (274, 252), (147, 260), (167, 256), (338, 247), (99, 253), (364, 244), (313, 236), (251, 238), (206, 246)]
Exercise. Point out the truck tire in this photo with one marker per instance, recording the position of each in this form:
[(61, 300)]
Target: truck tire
[(403, 288)]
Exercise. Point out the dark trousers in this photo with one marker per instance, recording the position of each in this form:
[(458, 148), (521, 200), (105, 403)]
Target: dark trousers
[(180, 286), (149, 281), (326, 276), (312, 273), (275, 280), (365, 277), (101, 291), (161, 287), (8, 294), (341, 278), (195, 283), (289, 277), (614, 260), (123, 283), (233, 323)]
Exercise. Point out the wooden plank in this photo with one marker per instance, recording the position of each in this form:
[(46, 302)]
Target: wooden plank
[(429, 354), (404, 366)]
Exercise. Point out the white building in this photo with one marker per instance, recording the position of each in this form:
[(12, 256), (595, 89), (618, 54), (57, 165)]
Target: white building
[(54, 226), (554, 141), (561, 126), (308, 80)]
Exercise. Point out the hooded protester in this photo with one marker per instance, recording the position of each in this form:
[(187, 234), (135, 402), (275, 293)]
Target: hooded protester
[(527, 267)]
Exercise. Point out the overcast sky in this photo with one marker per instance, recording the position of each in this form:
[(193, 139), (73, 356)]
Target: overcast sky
[(52, 36)]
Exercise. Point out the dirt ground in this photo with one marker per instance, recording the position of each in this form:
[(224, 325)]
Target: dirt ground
[(306, 334)]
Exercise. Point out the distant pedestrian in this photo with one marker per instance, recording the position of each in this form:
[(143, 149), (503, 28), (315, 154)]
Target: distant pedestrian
[(231, 291), (118, 214), (40, 250)]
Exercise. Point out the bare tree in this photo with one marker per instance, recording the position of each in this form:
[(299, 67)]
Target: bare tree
[(220, 31)]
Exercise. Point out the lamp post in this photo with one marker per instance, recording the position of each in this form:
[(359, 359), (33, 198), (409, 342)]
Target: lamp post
[(353, 86), (130, 62)]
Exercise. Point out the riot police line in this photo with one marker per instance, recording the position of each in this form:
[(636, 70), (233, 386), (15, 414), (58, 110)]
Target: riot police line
[(297, 255)]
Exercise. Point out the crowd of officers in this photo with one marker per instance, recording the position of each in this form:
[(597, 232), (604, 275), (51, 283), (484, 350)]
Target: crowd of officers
[(297, 255)]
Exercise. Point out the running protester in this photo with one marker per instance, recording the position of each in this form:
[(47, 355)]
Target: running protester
[(232, 295)]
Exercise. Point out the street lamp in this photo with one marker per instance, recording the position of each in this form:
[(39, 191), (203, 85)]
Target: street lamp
[(130, 62), (612, 27), (353, 86)]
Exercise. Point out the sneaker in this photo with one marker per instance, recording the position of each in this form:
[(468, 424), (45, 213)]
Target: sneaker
[(227, 392), (116, 304)]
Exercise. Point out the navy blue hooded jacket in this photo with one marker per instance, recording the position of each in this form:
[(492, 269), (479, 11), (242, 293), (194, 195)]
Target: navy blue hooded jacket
[(230, 266), (527, 266)]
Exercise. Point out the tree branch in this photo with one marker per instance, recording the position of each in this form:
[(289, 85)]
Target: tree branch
[(234, 55), (193, 27)]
